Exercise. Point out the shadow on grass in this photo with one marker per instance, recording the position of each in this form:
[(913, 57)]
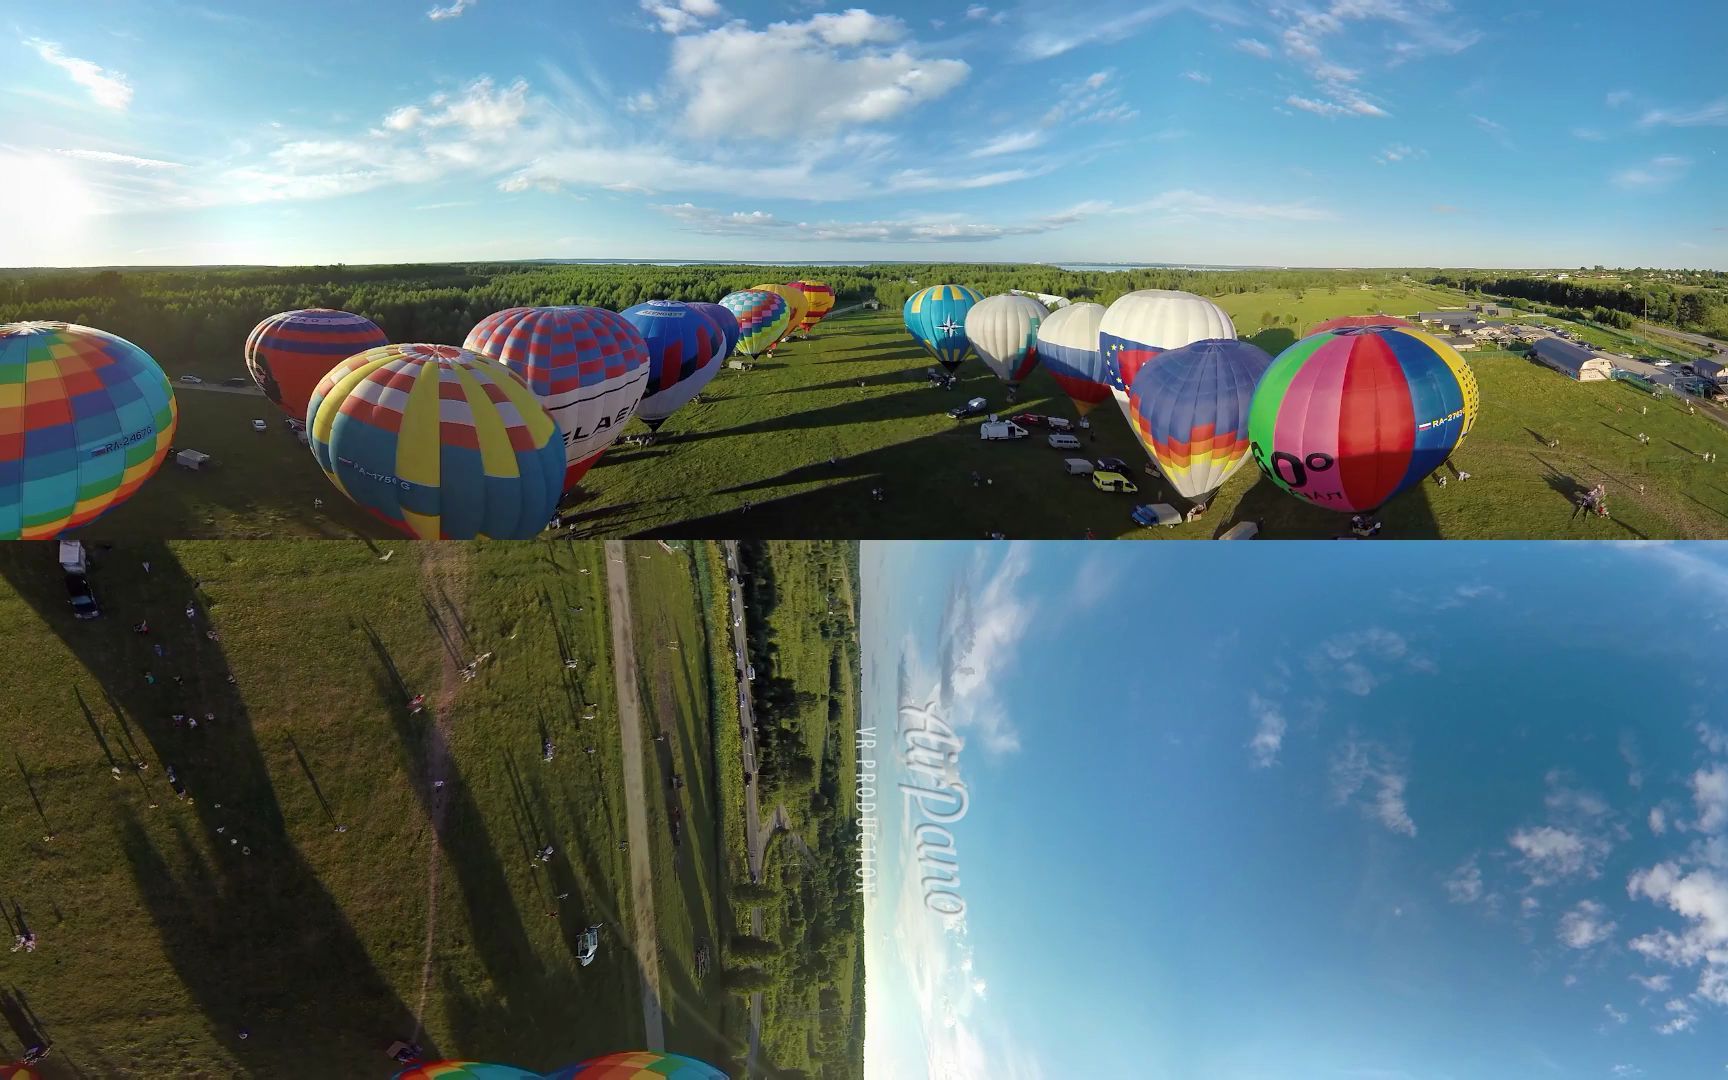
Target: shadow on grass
[(253, 935)]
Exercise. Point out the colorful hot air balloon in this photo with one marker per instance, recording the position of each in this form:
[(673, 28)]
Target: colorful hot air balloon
[(588, 366), (19, 1072), (795, 304), (1068, 349), (1357, 320), (85, 418), (683, 355), (443, 443), (465, 1070), (818, 300), (1003, 331), (936, 316), (1189, 408), (288, 353), (1350, 418), (1143, 324), (762, 319), (725, 320), (639, 1065)]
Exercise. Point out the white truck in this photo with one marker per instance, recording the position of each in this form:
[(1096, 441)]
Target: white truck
[(72, 558), (1001, 429)]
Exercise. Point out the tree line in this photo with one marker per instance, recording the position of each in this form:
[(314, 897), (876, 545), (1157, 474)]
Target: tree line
[(1620, 303)]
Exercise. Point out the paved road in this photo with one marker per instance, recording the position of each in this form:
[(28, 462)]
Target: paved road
[(1696, 339), (647, 939)]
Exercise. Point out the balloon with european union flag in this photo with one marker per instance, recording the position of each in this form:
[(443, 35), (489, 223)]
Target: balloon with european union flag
[(1349, 418), (442, 443), (289, 352), (1143, 324), (683, 355), (1068, 350), (1189, 408), (936, 316)]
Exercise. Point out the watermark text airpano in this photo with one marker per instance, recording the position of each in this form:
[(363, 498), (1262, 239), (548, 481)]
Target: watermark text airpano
[(930, 753)]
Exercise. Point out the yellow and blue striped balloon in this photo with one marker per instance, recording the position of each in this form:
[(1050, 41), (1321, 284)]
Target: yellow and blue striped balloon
[(441, 442)]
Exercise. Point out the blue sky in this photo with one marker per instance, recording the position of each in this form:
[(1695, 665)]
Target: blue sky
[(1361, 812), (1356, 132)]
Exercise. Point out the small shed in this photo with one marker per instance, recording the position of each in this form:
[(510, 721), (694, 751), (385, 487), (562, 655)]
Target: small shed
[(1710, 369), (1573, 361)]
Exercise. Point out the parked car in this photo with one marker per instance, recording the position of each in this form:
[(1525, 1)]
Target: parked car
[(1113, 464), (259, 425), (750, 673), (976, 407), (587, 945), (83, 600), (1062, 441), (1106, 480), (1030, 419), (190, 379)]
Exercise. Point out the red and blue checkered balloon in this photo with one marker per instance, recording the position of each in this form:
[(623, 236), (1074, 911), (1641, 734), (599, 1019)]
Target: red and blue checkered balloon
[(288, 353), (588, 366), (85, 418)]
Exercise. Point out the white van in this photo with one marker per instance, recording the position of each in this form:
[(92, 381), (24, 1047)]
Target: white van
[(72, 557), (1061, 441), (192, 459), (1001, 429), (1077, 466)]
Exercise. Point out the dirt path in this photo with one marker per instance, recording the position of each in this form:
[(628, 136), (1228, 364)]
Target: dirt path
[(647, 939), (440, 573)]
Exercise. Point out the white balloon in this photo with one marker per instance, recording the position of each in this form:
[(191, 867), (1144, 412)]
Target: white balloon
[(1003, 331), (1157, 320)]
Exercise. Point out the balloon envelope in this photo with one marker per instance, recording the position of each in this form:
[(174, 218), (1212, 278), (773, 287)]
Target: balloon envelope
[(19, 1072), (85, 418), (936, 316), (683, 355), (288, 353), (1357, 320), (818, 302), (796, 305), (1349, 418), (639, 1065), (1003, 331), (588, 366), (443, 443), (725, 320), (762, 319), (1189, 408), (465, 1070), (1068, 349), (1143, 324)]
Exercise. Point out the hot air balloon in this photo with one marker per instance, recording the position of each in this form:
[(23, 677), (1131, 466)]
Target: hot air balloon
[(725, 320), (936, 316), (1143, 324), (795, 304), (588, 366), (818, 300), (19, 1072), (85, 418), (288, 353), (443, 443), (1068, 349), (762, 319), (683, 355), (1189, 408), (1349, 418), (465, 1070), (1003, 331), (639, 1065), (1357, 320)]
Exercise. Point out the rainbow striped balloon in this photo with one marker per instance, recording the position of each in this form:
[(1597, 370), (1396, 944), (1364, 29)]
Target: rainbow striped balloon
[(85, 418), (639, 1065), (762, 319), (1189, 408), (1349, 418), (465, 1070), (443, 443), (288, 353)]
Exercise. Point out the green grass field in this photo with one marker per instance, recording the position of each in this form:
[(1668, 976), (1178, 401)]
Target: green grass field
[(167, 927), (795, 448)]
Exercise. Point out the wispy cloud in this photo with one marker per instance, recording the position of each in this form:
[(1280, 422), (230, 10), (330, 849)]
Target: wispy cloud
[(109, 89), (1573, 842), (1359, 765), (1586, 925), (1197, 76), (105, 157), (1710, 114), (985, 620), (1400, 152), (1357, 661), (1269, 728), (453, 10), (1052, 33), (1011, 142), (1464, 885), (678, 16), (1659, 172), (1253, 47)]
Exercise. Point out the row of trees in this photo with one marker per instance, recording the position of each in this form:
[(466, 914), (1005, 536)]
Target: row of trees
[(1702, 308)]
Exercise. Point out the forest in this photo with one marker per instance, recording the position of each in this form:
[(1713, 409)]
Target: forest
[(1700, 306)]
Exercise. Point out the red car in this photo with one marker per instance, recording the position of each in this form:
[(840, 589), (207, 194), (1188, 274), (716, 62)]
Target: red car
[(1028, 418)]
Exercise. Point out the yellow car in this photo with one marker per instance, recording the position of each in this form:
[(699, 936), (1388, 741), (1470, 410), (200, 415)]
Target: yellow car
[(1107, 480)]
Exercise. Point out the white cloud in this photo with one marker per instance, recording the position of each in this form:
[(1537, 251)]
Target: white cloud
[(1054, 32), (1345, 659), (1268, 731), (984, 14), (1617, 98), (788, 79), (1400, 152), (1615, 1016), (1551, 854), (105, 157), (982, 628), (1343, 105), (1010, 142), (1197, 76), (1658, 821), (1700, 897), (1254, 48), (1656, 984), (1711, 114), (1588, 134), (1496, 130), (1095, 99), (1358, 765), (908, 231), (452, 10), (109, 89), (1658, 172), (1185, 205), (677, 16), (1586, 925), (1710, 796), (1464, 886)]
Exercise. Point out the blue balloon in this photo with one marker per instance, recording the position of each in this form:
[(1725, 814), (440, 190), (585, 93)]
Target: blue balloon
[(724, 319), (683, 355), (937, 318)]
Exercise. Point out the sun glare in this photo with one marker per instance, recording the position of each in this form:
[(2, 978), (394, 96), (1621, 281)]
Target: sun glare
[(45, 207)]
